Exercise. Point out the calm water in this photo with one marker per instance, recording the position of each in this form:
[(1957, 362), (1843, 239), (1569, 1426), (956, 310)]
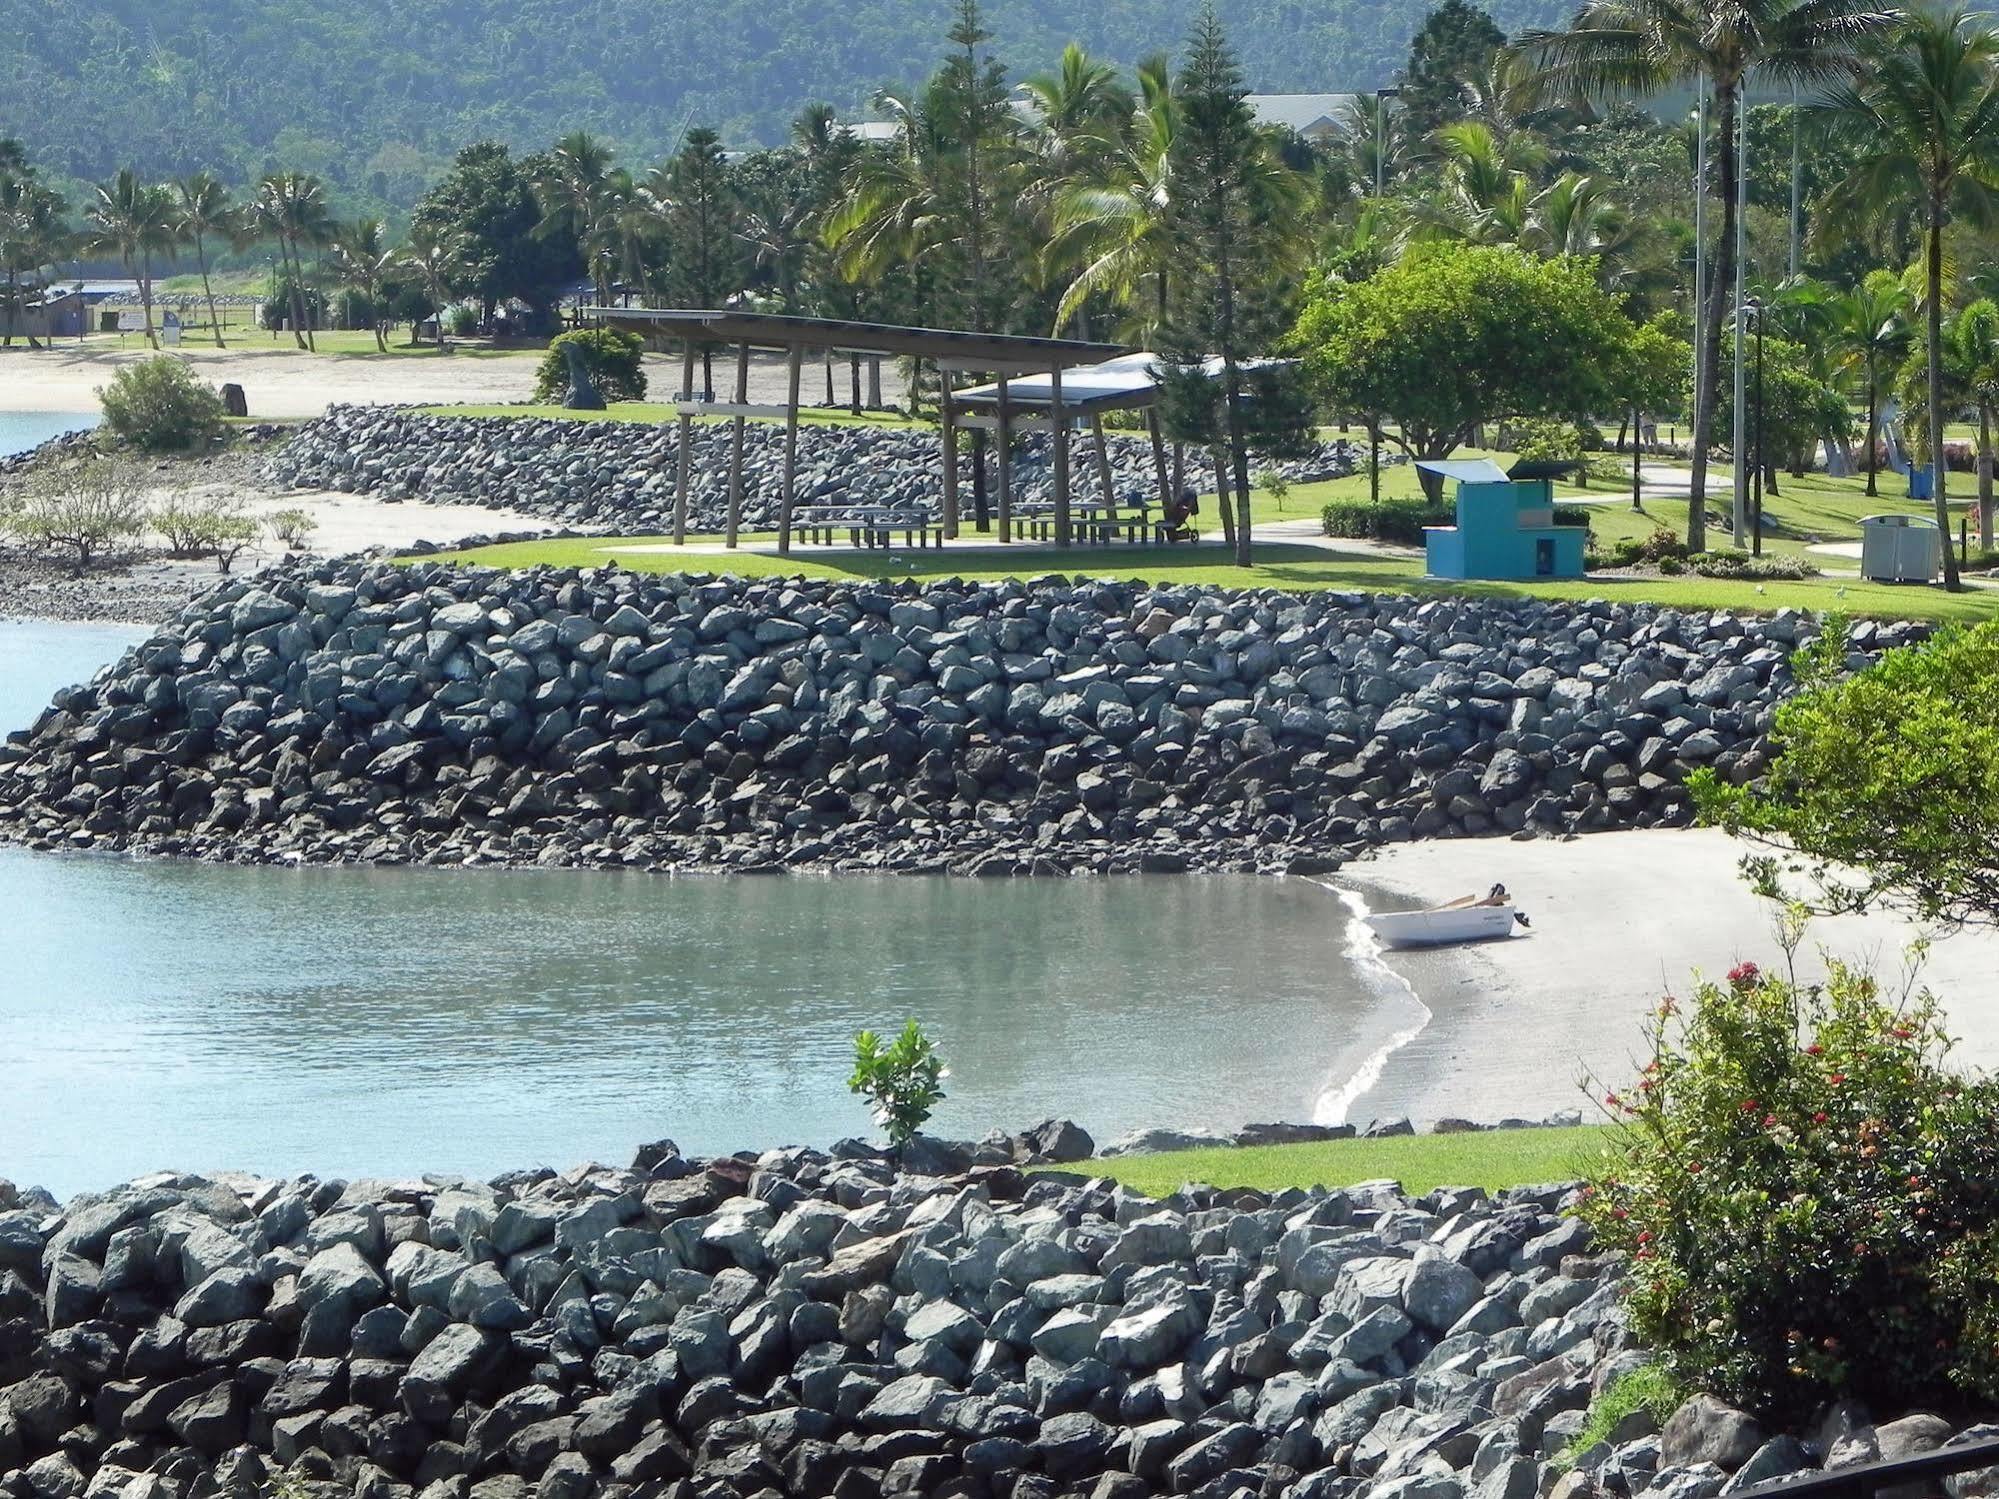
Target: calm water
[(21, 430), (392, 1021)]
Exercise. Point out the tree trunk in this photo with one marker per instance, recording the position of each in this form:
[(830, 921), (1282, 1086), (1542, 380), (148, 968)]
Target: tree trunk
[(1720, 281), (1873, 424), (13, 304), (1637, 489), (214, 319), (146, 298), (1934, 286), (1984, 476), (295, 269)]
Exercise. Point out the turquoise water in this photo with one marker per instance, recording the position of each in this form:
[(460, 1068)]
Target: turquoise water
[(21, 430), (383, 1022)]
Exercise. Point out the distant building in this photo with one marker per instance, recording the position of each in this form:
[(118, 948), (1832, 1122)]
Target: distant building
[(1317, 117), (58, 312)]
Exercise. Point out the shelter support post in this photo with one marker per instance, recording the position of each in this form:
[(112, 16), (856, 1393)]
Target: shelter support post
[(793, 372), (1064, 530), (948, 425), (1159, 459), (1104, 468), (1003, 440), (736, 447), (981, 513), (685, 458)]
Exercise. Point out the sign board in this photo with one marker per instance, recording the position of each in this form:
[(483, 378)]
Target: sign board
[(131, 322)]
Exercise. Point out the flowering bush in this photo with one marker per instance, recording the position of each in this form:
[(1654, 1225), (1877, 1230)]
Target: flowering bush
[(1809, 1196)]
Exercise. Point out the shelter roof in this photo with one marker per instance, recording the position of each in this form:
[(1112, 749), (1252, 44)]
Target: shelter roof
[(1464, 470), (950, 347)]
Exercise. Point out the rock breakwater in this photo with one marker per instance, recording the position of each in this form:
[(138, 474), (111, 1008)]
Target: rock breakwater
[(812, 1324), (620, 476), (438, 714)]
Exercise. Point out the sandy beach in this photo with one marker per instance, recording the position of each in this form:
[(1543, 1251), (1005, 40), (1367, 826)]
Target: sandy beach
[(281, 382), (1618, 920)]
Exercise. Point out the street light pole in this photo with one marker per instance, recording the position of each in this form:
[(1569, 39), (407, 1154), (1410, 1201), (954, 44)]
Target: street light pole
[(1740, 516), (1797, 221), (1756, 310), (1700, 243)]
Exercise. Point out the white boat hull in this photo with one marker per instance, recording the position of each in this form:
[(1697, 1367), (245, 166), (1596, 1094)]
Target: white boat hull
[(1446, 924)]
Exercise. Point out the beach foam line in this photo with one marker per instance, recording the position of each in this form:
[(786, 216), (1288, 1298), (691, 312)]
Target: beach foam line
[(1366, 953)]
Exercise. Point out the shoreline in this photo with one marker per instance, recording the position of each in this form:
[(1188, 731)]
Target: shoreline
[(1521, 1021)]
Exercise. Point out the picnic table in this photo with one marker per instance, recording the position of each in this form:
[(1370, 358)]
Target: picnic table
[(1093, 521), (868, 526)]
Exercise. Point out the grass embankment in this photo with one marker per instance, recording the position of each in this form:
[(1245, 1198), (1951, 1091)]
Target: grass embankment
[(1492, 1159), (1295, 567)]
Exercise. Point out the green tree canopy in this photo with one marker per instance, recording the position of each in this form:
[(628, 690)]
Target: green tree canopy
[(1885, 785), (1453, 336), (486, 205), (1453, 47)]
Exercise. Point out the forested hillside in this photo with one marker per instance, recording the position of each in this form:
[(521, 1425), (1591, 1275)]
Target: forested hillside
[(375, 95)]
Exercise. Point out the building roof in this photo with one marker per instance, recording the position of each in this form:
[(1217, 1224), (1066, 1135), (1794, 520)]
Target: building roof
[(1303, 113), (949, 347), (1464, 470), (1115, 384)]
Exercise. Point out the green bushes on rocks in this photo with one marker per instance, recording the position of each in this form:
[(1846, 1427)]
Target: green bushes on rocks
[(904, 1080), (612, 357), (158, 406), (1809, 1196)]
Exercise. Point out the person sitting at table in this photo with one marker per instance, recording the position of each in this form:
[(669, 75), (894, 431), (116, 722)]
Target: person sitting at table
[(1173, 519)]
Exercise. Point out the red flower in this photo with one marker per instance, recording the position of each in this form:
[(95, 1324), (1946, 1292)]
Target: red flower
[(1769, 1121), (1901, 1033), (1611, 1099), (1837, 1078), (1815, 1050), (1645, 1237), (1695, 1168), (1819, 1117), (1744, 975)]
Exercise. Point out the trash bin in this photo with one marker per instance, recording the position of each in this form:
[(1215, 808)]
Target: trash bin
[(1900, 549), (1922, 483)]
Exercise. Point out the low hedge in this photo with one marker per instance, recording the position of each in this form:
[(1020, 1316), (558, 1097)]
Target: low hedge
[(1401, 518)]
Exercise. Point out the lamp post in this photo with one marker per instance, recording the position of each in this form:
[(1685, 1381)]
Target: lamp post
[(1740, 514), (1700, 242), (1797, 182), (1381, 98), (1753, 310)]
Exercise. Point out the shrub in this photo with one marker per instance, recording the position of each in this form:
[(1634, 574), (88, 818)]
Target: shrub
[(293, 528), (461, 320), (1809, 1197), (612, 356), (158, 406), (1389, 519), (1273, 483), (214, 525), (1740, 565), (903, 1079), (1631, 551), (86, 507)]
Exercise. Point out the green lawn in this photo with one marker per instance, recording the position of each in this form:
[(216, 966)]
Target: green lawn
[(1294, 567), (1491, 1159)]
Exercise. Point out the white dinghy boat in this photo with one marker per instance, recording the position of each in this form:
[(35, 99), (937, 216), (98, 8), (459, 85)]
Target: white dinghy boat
[(1470, 918)]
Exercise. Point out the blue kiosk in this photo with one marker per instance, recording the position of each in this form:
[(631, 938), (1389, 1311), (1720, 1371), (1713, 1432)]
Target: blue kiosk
[(1506, 524)]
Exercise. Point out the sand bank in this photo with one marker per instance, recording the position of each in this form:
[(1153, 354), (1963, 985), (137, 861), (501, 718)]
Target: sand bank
[(281, 382), (1619, 919)]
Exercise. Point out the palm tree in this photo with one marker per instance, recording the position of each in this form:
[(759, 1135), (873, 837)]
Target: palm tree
[(435, 256), (1080, 112), (134, 221), (1925, 118), (1976, 336), (1871, 332), (1615, 48), (1484, 195), (1574, 216), (572, 192), (291, 208), (364, 259), (1110, 227), (32, 234), (204, 212)]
